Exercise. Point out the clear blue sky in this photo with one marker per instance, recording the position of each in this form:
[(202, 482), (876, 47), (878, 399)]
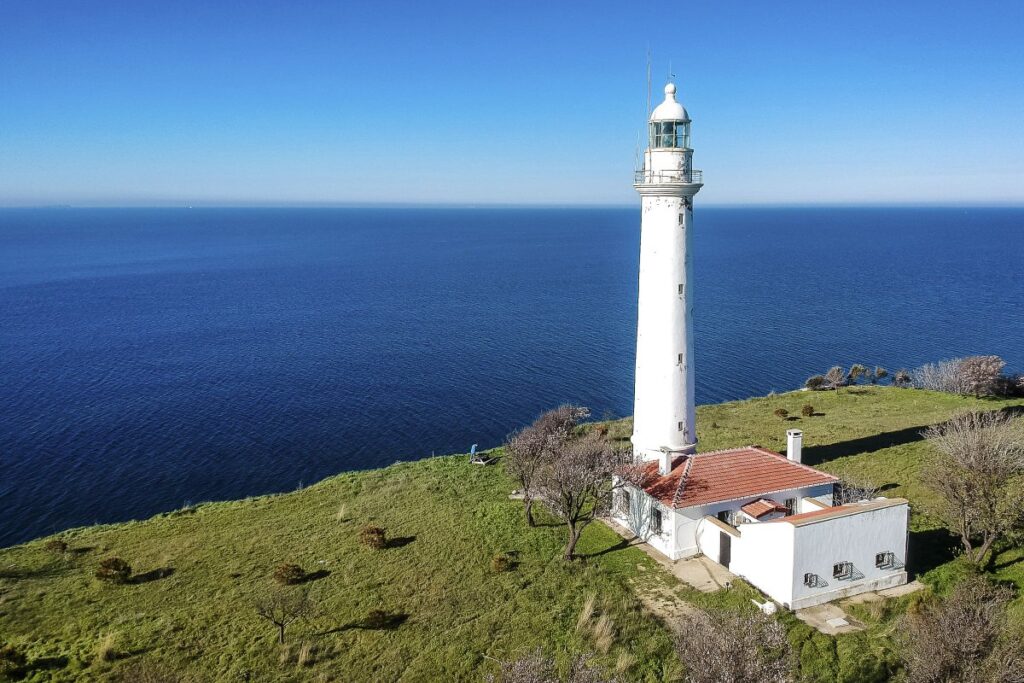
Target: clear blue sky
[(140, 102)]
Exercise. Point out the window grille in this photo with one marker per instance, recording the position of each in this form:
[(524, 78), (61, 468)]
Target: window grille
[(842, 570), (811, 580), (656, 521), (624, 503), (885, 560)]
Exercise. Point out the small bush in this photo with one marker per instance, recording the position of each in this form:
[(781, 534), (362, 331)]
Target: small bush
[(289, 574), (815, 383), (781, 413), (807, 410), (11, 658), (901, 378), (377, 618), (56, 545), (105, 651), (373, 537), (114, 570), (502, 562)]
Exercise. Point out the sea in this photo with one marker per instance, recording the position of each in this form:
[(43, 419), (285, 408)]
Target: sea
[(152, 358)]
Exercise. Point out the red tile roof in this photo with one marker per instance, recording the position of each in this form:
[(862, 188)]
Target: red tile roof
[(761, 507), (841, 510), (728, 475)]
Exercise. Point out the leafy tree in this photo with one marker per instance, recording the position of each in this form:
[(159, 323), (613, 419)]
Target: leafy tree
[(977, 472), (964, 638), (528, 449), (729, 645), (577, 482), (856, 372), (815, 382)]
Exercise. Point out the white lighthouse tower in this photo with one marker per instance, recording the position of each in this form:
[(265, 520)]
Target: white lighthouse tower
[(663, 408)]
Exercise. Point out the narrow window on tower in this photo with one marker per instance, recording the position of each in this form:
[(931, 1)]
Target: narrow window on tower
[(679, 426), (679, 359), (681, 217), (680, 290)]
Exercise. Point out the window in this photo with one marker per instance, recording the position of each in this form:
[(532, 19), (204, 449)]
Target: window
[(681, 216), (656, 521), (790, 506), (670, 134), (884, 560), (811, 580), (679, 359), (679, 426), (723, 516), (680, 290), (624, 503), (842, 570)]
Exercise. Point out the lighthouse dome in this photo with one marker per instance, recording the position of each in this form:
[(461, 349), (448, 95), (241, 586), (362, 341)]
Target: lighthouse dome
[(670, 110)]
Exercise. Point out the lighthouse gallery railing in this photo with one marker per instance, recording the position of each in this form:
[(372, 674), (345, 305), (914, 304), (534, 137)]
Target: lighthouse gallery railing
[(676, 176)]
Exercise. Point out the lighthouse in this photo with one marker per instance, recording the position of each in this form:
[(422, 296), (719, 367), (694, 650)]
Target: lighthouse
[(663, 405)]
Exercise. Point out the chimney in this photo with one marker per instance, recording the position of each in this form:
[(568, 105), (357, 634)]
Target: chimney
[(665, 462), (794, 444)]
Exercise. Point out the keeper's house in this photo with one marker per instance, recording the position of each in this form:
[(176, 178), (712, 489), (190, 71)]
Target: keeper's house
[(771, 520)]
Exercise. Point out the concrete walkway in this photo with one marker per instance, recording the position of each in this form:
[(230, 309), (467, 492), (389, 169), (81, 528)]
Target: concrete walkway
[(830, 618), (699, 572)]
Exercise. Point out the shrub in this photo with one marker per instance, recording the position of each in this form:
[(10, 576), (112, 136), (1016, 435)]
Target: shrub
[(114, 570), (105, 651), (11, 658), (815, 383), (880, 374), (502, 562), (901, 378), (807, 410), (781, 413), (289, 574), (836, 377), (378, 618), (373, 537), (977, 375), (148, 672), (856, 372), (56, 545)]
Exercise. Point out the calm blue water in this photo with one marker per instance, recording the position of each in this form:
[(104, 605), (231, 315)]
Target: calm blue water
[(152, 357)]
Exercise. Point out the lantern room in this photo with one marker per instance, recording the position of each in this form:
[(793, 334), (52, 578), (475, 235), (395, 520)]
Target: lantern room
[(669, 123)]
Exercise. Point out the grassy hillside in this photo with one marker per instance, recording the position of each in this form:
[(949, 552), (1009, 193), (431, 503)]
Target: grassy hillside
[(451, 616)]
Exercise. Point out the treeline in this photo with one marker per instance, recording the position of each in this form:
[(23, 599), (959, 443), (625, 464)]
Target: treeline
[(969, 376)]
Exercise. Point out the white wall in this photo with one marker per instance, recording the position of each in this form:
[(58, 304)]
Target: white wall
[(853, 538), (763, 555), (639, 521)]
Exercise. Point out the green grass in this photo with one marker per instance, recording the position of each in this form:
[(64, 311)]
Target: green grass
[(457, 616)]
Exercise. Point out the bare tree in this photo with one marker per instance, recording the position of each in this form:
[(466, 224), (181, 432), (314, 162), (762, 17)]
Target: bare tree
[(527, 449), (726, 646), (577, 483), (977, 470), (283, 606), (536, 668), (980, 375), (836, 377), (853, 488), (963, 639)]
